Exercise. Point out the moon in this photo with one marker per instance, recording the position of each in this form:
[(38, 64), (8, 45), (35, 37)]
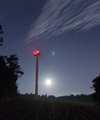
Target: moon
[(48, 82)]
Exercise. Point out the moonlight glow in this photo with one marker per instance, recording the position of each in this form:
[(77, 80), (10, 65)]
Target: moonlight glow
[(48, 82)]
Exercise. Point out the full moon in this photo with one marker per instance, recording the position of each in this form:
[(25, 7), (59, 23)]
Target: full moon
[(48, 82)]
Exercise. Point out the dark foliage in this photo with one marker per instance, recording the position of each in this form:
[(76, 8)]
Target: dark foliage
[(69, 98), (1, 38), (76, 98), (10, 71), (96, 87)]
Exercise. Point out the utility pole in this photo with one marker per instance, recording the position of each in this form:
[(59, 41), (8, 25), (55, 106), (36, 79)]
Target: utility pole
[(36, 53)]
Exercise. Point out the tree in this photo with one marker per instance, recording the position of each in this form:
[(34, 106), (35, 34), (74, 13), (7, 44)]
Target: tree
[(1, 38), (10, 71), (96, 87)]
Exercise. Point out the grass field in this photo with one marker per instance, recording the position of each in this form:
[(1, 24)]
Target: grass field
[(23, 109)]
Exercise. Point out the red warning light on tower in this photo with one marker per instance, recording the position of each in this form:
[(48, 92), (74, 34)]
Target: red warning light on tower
[(37, 52)]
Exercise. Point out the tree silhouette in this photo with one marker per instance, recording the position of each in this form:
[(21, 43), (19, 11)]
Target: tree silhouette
[(1, 38), (10, 71), (96, 87)]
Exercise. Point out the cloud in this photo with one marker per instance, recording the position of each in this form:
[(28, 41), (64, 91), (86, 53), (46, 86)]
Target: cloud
[(60, 16)]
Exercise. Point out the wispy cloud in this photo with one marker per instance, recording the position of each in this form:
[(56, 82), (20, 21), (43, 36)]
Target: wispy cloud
[(60, 16)]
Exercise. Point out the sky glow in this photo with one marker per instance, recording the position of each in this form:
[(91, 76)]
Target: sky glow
[(48, 82)]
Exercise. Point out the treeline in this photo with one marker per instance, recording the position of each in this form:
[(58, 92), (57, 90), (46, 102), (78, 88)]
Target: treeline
[(67, 98), (76, 98), (10, 71)]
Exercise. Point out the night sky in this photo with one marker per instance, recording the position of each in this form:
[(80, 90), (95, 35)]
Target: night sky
[(67, 33)]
